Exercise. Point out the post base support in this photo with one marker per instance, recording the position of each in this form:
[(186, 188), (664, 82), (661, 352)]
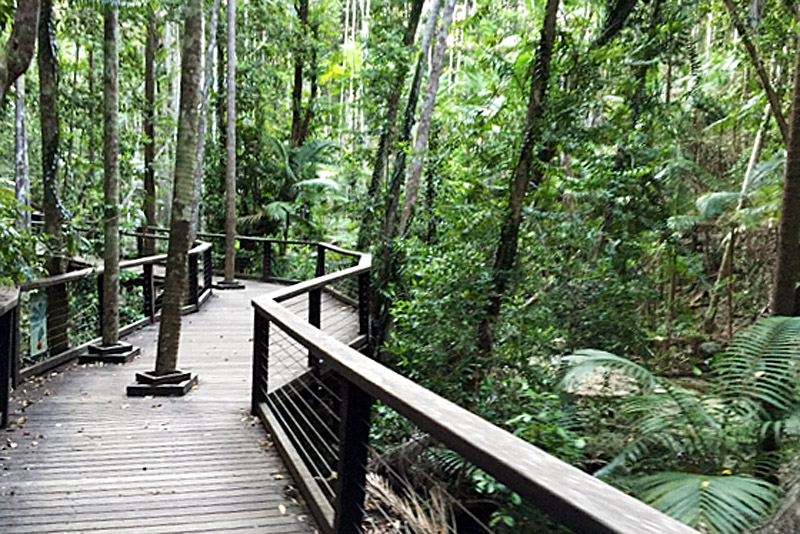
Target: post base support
[(174, 384), (225, 284), (119, 353)]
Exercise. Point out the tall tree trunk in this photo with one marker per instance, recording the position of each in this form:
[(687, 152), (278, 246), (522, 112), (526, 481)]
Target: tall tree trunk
[(425, 118), (230, 179), (301, 6), (432, 186), (786, 272), (149, 130), (208, 76), (17, 53), (22, 178), (755, 59), (110, 320), (176, 281), (57, 302), (389, 123), (509, 235)]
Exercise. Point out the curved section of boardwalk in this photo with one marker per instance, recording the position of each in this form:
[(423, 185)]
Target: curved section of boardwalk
[(83, 457)]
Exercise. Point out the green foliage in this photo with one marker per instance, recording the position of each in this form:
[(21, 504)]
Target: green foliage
[(18, 249), (642, 153)]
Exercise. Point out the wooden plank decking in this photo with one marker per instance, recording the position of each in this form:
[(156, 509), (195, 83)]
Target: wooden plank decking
[(83, 457)]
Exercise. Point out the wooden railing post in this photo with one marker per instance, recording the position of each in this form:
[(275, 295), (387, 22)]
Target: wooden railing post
[(6, 341), (9, 345), (266, 262), (15, 341), (363, 308), (315, 300), (260, 361), (194, 298), (148, 292), (140, 252), (351, 470), (208, 269)]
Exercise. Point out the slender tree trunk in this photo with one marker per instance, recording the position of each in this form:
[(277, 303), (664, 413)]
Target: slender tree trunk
[(431, 189), (726, 265), (21, 167), (110, 320), (425, 118), (755, 59), (308, 115), (17, 53), (221, 104), (301, 6), (230, 181), (208, 76), (399, 171), (57, 301), (149, 130), (786, 273), (390, 120), (615, 21), (91, 148), (509, 235), (387, 271), (176, 282)]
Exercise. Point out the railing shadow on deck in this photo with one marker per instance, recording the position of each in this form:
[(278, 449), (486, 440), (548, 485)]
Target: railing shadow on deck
[(320, 420)]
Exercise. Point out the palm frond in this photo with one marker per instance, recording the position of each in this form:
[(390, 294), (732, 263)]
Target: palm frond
[(762, 363), (325, 183), (765, 173), (719, 504), (711, 205), (586, 362), (431, 514)]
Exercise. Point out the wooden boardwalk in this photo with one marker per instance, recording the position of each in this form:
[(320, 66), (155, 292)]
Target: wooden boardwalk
[(83, 457)]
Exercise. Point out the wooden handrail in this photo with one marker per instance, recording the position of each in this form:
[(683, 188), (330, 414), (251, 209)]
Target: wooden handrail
[(569, 495), (272, 240), (9, 298), (288, 292), (89, 271)]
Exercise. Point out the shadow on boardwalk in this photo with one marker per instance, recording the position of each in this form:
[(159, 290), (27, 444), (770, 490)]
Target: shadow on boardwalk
[(84, 457)]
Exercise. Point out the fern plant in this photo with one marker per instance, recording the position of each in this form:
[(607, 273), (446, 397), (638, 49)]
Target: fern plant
[(680, 441)]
